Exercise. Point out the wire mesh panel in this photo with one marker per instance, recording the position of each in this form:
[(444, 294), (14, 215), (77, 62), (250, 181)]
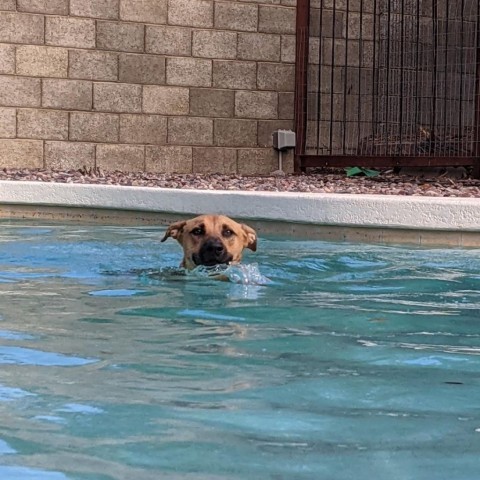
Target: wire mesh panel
[(391, 82)]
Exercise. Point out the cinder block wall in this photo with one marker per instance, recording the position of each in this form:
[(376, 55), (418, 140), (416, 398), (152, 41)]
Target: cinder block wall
[(145, 85)]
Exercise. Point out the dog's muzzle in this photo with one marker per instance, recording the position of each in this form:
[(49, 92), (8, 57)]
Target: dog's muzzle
[(212, 252)]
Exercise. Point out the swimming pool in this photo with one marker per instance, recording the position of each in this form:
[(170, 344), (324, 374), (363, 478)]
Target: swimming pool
[(355, 362)]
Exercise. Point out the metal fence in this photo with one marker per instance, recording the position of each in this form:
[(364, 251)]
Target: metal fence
[(387, 83)]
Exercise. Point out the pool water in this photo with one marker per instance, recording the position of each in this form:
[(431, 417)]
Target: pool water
[(351, 362)]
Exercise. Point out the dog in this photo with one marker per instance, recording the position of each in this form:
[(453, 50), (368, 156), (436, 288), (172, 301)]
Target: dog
[(211, 240)]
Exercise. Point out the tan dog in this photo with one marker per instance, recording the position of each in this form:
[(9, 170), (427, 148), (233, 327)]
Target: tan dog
[(211, 240)]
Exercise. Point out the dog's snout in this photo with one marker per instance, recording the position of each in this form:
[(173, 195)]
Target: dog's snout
[(215, 247), (212, 252)]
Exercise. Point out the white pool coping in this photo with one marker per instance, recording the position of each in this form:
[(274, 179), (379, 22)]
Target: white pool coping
[(373, 211)]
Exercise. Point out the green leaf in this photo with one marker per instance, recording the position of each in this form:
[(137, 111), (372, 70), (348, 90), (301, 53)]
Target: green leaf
[(371, 173), (352, 171)]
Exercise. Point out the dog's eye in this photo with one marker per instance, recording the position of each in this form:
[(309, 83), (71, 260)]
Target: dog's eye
[(197, 231), (228, 233)]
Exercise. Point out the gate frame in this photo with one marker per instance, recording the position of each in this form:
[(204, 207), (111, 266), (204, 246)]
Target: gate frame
[(303, 160)]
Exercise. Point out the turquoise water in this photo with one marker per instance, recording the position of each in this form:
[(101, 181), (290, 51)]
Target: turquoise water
[(354, 361)]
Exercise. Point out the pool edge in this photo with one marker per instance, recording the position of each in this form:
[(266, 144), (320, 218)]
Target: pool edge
[(385, 219)]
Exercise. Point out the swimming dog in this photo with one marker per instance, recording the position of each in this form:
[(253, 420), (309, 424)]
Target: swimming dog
[(211, 240)]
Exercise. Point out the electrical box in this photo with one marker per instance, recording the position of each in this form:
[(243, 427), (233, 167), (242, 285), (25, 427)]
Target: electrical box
[(283, 139)]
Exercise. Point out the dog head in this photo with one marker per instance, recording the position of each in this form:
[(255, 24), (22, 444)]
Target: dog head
[(212, 240)]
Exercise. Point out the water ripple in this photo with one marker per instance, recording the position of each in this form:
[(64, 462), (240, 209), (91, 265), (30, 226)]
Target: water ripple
[(29, 356)]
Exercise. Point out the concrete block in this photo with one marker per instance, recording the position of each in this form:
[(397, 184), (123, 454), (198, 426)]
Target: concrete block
[(123, 37), (369, 6), (168, 159), (145, 69), (214, 160), (145, 129), (176, 41), (192, 13), (273, 19), (67, 94), (117, 97), (190, 131), (69, 155), (93, 65), (107, 9), (51, 7), (36, 61), (7, 4), (235, 133), (7, 59), (259, 47), (314, 52), (42, 124), (368, 50), (286, 105), (288, 48), (20, 91), (339, 47), (236, 16), (94, 127), (125, 158), (235, 75), (324, 76), (359, 26), (206, 102), (279, 77), (166, 100), (21, 153), (213, 44), (21, 28), (324, 22), (267, 127), (259, 105), (257, 161), (144, 11), (8, 123), (192, 72), (70, 32)]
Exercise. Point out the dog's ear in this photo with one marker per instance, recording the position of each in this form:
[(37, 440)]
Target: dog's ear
[(174, 230), (251, 237)]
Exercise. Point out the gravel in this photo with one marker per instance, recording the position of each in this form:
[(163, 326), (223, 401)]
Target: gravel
[(387, 183)]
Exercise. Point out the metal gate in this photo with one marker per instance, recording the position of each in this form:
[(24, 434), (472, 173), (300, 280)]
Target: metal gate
[(387, 83)]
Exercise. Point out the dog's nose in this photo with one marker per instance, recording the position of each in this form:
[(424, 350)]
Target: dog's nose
[(213, 252), (215, 247)]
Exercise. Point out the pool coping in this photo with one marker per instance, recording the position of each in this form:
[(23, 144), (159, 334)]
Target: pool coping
[(378, 218)]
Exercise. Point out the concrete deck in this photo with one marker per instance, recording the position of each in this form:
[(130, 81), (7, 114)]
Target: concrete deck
[(366, 218)]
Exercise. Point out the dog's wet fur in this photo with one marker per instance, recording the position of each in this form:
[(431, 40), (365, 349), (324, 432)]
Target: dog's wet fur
[(212, 240)]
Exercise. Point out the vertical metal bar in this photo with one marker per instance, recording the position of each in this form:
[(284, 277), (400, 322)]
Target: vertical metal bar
[(300, 116), (433, 119), (374, 77), (417, 68), (345, 80), (476, 133), (445, 94), (402, 73), (387, 106), (360, 61), (462, 61), (319, 78), (332, 77)]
